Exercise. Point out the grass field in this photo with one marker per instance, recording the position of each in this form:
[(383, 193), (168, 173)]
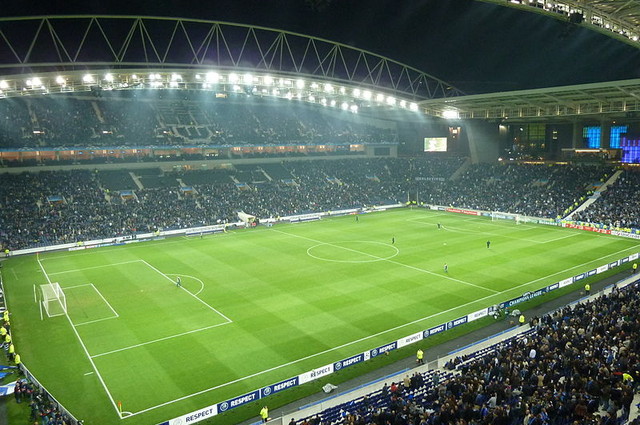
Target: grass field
[(261, 305)]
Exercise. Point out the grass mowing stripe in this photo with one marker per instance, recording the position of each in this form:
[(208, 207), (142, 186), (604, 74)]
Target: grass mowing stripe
[(185, 289), (93, 267), (389, 260)]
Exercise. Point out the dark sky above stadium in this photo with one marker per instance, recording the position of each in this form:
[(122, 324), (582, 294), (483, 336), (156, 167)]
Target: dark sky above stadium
[(477, 47)]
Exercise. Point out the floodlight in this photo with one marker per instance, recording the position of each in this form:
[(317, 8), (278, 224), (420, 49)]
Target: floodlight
[(342, 90), (380, 97), (29, 82), (176, 77), (37, 81), (289, 95), (344, 106), (300, 84), (275, 92), (391, 100), (450, 114), (634, 38), (413, 106), (323, 101), (60, 79), (212, 77), (312, 99), (198, 76), (237, 87), (367, 95), (333, 102), (173, 84), (314, 85), (4, 85), (356, 92), (248, 79), (233, 78), (354, 108), (287, 82), (109, 77), (268, 80), (328, 88), (403, 103)]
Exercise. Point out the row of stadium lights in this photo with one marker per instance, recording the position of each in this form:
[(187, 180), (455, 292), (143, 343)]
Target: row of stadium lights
[(281, 87)]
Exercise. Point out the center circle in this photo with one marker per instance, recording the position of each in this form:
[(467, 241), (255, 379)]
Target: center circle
[(353, 251)]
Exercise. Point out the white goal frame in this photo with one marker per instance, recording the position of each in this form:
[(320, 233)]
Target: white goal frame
[(53, 299)]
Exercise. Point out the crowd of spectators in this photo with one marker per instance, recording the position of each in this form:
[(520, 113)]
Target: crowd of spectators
[(579, 366), (618, 205), (72, 206), (147, 119)]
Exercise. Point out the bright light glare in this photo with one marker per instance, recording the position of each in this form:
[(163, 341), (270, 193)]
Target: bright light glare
[(356, 92), (268, 80), (367, 95), (60, 79), (173, 84), (354, 108), (391, 101), (312, 99), (87, 78), (403, 103), (109, 77), (380, 97), (344, 106), (212, 77), (300, 84), (342, 90), (134, 77), (248, 79), (328, 88), (176, 77), (413, 106), (37, 82), (333, 103), (4, 85), (450, 114), (233, 78)]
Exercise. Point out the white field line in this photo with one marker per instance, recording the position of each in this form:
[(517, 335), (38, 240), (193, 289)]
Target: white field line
[(370, 336), (105, 300), (391, 261), (159, 340), (75, 286), (194, 296), (93, 365), (94, 267), (94, 321)]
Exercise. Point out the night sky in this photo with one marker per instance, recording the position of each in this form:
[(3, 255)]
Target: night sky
[(475, 46)]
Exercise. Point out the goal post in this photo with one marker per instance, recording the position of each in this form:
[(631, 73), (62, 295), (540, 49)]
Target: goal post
[(53, 299), (499, 215)]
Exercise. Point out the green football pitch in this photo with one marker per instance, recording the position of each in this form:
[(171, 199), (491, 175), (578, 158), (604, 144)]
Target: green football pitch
[(258, 306)]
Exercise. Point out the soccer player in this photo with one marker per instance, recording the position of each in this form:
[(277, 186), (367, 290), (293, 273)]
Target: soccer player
[(439, 226), (393, 240), (587, 289), (488, 244), (178, 281), (446, 268), (634, 268)]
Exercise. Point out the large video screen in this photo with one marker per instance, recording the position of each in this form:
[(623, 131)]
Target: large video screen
[(435, 144)]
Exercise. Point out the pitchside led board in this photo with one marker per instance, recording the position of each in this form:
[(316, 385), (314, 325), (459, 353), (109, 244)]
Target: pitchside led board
[(435, 144)]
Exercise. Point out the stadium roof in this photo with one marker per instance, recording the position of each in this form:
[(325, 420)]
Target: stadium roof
[(619, 19), (613, 99)]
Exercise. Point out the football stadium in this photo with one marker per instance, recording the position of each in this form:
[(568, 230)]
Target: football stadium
[(227, 223)]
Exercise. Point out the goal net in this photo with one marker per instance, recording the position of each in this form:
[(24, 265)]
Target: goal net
[(498, 215), (53, 299)]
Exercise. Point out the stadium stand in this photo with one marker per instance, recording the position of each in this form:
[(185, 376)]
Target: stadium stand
[(140, 118), (576, 365), (107, 203)]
